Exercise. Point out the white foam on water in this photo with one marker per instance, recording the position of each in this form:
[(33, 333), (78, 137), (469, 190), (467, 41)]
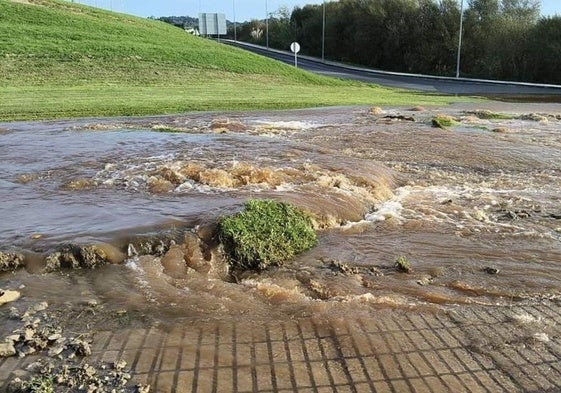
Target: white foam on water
[(270, 290), (140, 275), (525, 318), (542, 337), (287, 125), (387, 210), (369, 298)]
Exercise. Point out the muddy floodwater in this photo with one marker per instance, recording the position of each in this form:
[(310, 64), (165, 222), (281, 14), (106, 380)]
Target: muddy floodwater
[(475, 208)]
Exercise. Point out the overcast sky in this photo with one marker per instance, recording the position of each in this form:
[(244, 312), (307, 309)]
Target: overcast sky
[(244, 9)]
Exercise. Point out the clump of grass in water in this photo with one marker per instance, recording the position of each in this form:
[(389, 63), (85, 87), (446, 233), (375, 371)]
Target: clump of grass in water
[(443, 121), (266, 233), (403, 265), (40, 384)]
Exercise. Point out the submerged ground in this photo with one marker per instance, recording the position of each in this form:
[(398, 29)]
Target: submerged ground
[(473, 206)]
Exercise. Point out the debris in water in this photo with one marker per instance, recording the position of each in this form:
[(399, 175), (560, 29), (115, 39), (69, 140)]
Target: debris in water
[(424, 281), (142, 388), (491, 270), (339, 267), (403, 265), (66, 375), (533, 117), (399, 117)]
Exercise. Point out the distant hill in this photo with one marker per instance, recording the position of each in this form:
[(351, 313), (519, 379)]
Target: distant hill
[(180, 21)]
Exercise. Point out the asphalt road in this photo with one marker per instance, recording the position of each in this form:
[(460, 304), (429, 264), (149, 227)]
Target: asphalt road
[(460, 86)]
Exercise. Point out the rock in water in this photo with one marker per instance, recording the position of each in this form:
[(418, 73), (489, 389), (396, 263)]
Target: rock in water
[(8, 296), (76, 257), (93, 256), (7, 349), (10, 261)]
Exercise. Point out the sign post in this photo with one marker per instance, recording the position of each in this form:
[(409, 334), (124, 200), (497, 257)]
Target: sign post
[(295, 48)]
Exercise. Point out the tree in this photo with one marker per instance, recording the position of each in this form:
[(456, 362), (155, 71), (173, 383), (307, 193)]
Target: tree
[(435, 38), (495, 37), (544, 51), (417, 35), (281, 32)]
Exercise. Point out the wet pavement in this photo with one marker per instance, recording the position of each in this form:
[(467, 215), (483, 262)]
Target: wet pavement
[(473, 349)]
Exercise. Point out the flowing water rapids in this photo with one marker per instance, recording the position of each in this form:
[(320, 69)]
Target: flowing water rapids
[(475, 208)]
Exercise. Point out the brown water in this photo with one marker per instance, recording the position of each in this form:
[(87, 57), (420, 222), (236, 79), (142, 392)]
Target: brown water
[(454, 202)]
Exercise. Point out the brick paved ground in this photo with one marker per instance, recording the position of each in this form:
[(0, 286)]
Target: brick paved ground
[(471, 349)]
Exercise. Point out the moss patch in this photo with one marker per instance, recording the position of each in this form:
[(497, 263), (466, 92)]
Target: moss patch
[(265, 233)]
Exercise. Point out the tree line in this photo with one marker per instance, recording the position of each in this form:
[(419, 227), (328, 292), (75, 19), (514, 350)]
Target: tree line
[(502, 39)]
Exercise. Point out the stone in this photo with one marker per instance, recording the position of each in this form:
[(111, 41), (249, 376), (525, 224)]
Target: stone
[(10, 261), (40, 306), (142, 388), (14, 338), (92, 256), (65, 257), (54, 337), (81, 347), (343, 268), (424, 281), (89, 370), (120, 365), (14, 313), (76, 257), (16, 385), (375, 110), (28, 333), (7, 349), (8, 296), (92, 303)]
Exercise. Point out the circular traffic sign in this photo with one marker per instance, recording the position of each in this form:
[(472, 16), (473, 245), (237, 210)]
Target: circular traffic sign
[(295, 47)]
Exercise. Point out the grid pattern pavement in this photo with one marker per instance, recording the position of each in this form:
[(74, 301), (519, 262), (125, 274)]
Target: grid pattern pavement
[(469, 349)]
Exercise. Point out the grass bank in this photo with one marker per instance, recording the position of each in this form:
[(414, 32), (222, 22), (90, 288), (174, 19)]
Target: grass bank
[(60, 59)]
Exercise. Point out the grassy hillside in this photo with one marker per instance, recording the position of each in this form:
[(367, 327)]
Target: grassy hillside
[(60, 59)]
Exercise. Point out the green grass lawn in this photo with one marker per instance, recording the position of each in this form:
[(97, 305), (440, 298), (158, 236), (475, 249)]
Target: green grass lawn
[(60, 59)]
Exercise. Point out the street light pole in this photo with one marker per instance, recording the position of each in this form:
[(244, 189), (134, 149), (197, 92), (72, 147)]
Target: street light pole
[(323, 35), (460, 39), (267, 24), (235, 28)]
